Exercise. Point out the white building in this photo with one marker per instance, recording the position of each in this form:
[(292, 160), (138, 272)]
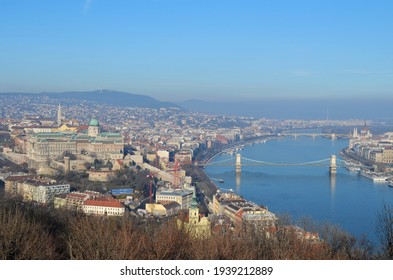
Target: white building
[(183, 197), (103, 206), (42, 191)]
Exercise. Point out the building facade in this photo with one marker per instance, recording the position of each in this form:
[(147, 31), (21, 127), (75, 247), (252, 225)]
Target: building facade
[(103, 206), (43, 147), (182, 197), (41, 191)]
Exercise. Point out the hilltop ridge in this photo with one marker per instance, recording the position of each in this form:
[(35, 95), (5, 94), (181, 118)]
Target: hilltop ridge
[(110, 97)]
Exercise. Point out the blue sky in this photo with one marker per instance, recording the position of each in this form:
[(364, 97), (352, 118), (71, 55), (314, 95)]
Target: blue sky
[(203, 49)]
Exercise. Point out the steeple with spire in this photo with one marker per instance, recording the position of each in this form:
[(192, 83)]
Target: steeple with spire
[(193, 211), (365, 132), (59, 116)]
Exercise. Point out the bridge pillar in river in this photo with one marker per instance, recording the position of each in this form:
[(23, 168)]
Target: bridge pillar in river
[(238, 164), (333, 164)]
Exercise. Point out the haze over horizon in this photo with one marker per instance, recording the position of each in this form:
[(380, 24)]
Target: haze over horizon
[(175, 50)]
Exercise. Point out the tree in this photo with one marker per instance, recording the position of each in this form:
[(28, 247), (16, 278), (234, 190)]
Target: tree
[(25, 167), (384, 230), (97, 164), (87, 165), (109, 165), (69, 154)]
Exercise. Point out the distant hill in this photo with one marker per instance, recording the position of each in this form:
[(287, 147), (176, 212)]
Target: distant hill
[(110, 97)]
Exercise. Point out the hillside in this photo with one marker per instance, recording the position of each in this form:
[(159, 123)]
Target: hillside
[(109, 97)]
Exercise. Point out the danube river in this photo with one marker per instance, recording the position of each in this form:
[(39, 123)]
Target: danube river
[(347, 199)]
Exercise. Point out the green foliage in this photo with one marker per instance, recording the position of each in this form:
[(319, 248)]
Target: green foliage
[(126, 177), (68, 154), (98, 164), (109, 165)]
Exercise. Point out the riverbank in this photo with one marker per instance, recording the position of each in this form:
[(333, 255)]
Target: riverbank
[(356, 160), (364, 168)]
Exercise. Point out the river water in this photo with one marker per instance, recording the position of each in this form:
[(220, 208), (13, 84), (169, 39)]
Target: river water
[(347, 199)]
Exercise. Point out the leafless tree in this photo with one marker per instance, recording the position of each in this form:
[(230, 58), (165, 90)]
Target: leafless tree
[(22, 237), (384, 228)]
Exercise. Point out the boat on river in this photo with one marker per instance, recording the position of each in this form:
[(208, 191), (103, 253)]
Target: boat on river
[(352, 167), (375, 177)]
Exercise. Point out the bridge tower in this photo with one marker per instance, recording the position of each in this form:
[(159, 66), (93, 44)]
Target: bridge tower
[(238, 165), (333, 165)]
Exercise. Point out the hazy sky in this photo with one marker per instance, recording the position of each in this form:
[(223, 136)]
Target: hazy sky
[(205, 49)]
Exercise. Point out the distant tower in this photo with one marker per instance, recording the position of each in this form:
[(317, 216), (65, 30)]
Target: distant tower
[(94, 128), (59, 116)]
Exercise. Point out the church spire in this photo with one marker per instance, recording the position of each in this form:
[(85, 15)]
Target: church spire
[(59, 115), (193, 211)]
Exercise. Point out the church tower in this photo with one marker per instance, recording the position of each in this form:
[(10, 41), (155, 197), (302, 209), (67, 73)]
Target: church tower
[(59, 116), (193, 214), (94, 128)]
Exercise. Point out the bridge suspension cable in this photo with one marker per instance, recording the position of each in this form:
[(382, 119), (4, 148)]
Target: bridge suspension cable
[(288, 164), (221, 161)]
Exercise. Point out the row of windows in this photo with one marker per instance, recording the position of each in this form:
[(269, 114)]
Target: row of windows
[(108, 211)]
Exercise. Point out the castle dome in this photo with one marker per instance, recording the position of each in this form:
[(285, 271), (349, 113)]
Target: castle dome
[(94, 122)]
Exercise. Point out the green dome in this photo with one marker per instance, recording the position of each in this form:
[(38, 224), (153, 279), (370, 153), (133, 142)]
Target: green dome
[(93, 122)]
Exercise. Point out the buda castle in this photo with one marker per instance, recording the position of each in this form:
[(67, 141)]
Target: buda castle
[(46, 146)]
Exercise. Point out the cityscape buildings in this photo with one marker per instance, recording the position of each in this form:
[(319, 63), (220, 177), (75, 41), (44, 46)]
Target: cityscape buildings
[(164, 143)]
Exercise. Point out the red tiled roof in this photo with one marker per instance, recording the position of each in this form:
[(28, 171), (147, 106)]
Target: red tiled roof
[(108, 203), (82, 127), (221, 138)]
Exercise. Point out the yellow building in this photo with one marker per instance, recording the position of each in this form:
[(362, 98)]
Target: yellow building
[(195, 224), (65, 127), (163, 209)]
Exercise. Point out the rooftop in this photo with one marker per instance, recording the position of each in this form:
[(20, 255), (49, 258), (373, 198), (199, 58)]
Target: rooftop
[(94, 122), (113, 203)]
